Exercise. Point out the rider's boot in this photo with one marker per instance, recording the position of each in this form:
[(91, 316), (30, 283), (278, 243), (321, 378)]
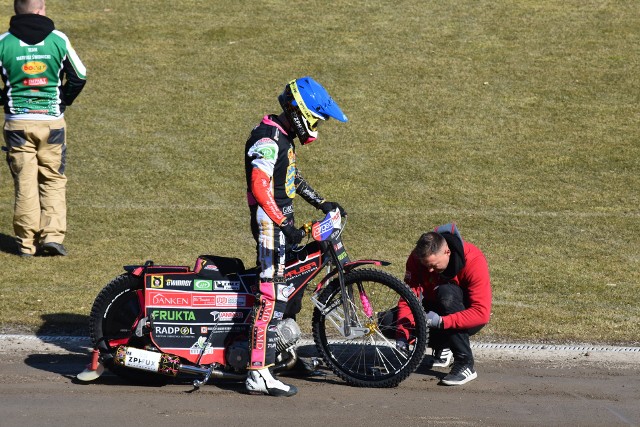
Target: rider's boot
[(261, 381)]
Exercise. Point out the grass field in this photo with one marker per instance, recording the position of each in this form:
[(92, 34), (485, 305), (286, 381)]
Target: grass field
[(517, 120)]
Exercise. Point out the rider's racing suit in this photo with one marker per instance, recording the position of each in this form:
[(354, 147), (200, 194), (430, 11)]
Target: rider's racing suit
[(272, 182)]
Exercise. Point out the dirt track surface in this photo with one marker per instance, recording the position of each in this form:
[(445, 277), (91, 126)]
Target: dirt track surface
[(514, 387)]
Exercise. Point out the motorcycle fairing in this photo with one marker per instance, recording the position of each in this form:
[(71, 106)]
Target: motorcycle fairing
[(304, 267), (218, 266), (185, 307), (139, 270)]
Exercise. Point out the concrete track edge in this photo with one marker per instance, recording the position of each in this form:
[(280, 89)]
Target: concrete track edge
[(561, 353)]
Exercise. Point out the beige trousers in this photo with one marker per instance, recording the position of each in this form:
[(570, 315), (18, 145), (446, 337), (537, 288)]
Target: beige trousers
[(36, 157)]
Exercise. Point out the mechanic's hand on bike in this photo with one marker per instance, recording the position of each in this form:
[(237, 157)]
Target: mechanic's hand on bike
[(292, 234), (327, 207), (402, 344), (434, 320)]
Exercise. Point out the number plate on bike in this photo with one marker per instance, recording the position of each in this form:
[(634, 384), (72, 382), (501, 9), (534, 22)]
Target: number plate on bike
[(322, 230)]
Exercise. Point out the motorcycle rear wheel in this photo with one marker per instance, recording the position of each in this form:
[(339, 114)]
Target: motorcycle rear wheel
[(371, 360), (112, 322)]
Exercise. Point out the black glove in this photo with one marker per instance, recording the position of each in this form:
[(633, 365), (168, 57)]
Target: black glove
[(327, 207), (292, 234)]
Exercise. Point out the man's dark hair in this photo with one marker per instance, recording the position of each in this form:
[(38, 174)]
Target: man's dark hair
[(429, 244), (27, 6)]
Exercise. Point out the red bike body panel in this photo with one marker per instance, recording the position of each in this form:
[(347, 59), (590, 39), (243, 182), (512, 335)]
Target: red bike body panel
[(185, 307)]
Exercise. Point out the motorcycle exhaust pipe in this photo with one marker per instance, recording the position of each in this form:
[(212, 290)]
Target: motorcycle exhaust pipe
[(189, 369), (288, 363), (163, 363)]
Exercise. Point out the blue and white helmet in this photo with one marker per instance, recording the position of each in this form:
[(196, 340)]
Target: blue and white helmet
[(305, 102)]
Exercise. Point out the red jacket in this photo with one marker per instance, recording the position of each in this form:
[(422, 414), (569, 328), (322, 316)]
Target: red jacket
[(474, 280)]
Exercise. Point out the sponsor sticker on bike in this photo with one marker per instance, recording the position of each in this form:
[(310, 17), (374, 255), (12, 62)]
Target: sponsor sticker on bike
[(226, 285), (286, 292), (173, 315), (336, 219), (322, 230), (197, 347), (230, 316), (202, 285), (175, 331), (220, 300), (168, 299), (157, 282), (177, 283), (141, 359)]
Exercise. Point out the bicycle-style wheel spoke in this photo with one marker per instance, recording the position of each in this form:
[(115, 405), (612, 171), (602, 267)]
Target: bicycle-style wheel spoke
[(369, 356)]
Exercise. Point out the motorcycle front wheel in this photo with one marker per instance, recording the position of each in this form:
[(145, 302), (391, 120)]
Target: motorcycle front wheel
[(114, 316), (369, 357)]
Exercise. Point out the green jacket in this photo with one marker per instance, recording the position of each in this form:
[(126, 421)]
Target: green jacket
[(41, 72)]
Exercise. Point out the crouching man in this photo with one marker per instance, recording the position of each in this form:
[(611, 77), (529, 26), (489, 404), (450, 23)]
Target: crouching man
[(451, 277)]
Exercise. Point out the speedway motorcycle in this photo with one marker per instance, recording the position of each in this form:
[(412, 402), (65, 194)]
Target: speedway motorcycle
[(157, 321)]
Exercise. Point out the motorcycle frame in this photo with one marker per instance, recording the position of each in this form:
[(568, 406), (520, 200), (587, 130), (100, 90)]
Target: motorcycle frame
[(333, 256)]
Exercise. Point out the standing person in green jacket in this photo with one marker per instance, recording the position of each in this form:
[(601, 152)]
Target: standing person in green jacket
[(42, 75)]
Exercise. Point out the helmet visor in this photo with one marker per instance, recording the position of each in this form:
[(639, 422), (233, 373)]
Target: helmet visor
[(311, 118)]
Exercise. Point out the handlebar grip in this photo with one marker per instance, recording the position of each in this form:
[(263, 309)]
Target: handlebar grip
[(306, 227)]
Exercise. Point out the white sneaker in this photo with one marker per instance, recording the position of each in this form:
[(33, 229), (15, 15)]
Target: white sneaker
[(261, 381), (442, 358)]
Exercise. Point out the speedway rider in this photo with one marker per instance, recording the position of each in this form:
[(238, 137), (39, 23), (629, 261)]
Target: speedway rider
[(272, 182)]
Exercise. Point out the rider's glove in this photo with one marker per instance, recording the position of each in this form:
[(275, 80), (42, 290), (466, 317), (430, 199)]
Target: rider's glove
[(327, 207), (434, 320), (292, 234)]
